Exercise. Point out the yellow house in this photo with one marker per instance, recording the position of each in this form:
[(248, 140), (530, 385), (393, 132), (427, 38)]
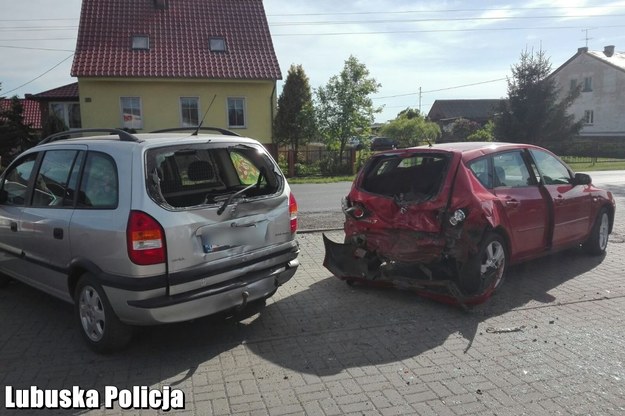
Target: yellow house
[(156, 64)]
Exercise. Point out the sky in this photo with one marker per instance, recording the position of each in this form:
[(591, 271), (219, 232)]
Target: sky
[(419, 51)]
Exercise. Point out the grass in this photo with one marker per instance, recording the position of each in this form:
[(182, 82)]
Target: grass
[(589, 167)]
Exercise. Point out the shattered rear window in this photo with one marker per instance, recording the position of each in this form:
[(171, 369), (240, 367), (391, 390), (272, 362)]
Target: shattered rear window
[(202, 174), (415, 177)]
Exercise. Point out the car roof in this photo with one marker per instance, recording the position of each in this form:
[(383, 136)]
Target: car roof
[(468, 150), (157, 139)]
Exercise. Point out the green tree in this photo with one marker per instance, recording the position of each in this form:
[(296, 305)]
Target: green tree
[(52, 124), (16, 136), (344, 105), (462, 128), (485, 134), (294, 124), (532, 113), (410, 128)]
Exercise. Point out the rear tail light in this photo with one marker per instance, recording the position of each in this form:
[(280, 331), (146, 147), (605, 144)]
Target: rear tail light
[(293, 213), (145, 238)]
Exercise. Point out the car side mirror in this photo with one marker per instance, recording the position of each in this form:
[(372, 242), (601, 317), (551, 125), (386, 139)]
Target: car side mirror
[(582, 179)]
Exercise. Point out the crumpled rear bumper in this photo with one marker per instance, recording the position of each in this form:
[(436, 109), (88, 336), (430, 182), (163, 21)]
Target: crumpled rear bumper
[(351, 263)]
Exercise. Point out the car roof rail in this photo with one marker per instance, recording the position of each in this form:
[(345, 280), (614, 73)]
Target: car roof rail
[(124, 136), (225, 132)]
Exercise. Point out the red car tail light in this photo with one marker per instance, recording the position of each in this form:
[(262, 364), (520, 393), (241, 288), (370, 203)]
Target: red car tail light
[(293, 213), (145, 238)]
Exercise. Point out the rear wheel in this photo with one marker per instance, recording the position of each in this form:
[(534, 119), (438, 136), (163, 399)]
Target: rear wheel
[(597, 241), (98, 324), (485, 272)]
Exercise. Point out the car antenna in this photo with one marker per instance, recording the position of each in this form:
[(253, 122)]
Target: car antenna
[(205, 113)]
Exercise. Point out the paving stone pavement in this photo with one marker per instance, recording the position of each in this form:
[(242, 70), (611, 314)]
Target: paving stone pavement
[(551, 342)]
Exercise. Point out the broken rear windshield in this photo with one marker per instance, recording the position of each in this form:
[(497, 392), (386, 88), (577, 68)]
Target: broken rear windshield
[(191, 175), (413, 177)]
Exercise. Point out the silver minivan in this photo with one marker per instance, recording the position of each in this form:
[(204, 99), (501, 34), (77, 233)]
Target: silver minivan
[(143, 229)]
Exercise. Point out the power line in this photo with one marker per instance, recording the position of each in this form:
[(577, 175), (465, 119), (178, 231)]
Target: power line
[(439, 11), (440, 89), (36, 49), (441, 30), (433, 19), (36, 78), (35, 39)]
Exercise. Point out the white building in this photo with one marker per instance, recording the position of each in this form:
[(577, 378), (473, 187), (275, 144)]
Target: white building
[(601, 103)]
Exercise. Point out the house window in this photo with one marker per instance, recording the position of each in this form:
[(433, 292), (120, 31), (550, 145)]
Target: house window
[(140, 42), (587, 84), (236, 112), (68, 112), (573, 85), (132, 117), (589, 117), (217, 44), (189, 111)]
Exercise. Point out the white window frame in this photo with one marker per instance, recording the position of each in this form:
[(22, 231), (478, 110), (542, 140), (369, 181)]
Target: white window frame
[(65, 116), (589, 117), (132, 124), (140, 42), (217, 44), (244, 105), (182, 113)]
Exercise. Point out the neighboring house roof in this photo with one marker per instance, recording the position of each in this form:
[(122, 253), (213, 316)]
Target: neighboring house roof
[(69, 91), (31, 112), (480, 109), (608, 56), (179, 32)]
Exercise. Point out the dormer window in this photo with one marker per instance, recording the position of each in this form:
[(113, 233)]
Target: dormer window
[(217, 44), (140, 42)]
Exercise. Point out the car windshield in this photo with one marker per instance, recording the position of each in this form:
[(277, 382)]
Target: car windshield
[(190, 175), (410, 178)]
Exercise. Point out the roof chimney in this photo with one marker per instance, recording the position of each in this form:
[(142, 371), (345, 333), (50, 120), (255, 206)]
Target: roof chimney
[(160, 4), (582, 50), (608, 50)]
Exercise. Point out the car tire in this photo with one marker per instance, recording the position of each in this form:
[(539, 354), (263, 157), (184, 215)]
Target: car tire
[(98, 324), (485, 271), (597, 241), (4, 280)]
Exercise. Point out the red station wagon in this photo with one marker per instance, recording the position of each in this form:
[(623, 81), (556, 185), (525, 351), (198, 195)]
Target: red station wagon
[(447, 220)]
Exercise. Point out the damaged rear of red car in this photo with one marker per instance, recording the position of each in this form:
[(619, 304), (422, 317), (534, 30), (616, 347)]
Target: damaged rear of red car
[(447, 220)]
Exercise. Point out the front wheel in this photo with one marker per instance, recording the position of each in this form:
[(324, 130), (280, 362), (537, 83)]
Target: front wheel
[(485, 271), (597, 241), (98, 324)]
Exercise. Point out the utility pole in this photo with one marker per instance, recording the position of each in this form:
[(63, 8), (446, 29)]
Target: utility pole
[(419, 100), (586, 37)]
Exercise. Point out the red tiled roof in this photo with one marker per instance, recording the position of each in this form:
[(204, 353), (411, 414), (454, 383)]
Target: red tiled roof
[(179, 38), (66, 91), (31, 112)]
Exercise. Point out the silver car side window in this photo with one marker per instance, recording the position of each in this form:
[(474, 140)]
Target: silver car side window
[(99, 184), (16, 181)]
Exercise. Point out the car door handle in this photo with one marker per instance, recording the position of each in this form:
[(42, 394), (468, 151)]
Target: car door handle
[(512, 203), (57, 233), (14, 226)]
